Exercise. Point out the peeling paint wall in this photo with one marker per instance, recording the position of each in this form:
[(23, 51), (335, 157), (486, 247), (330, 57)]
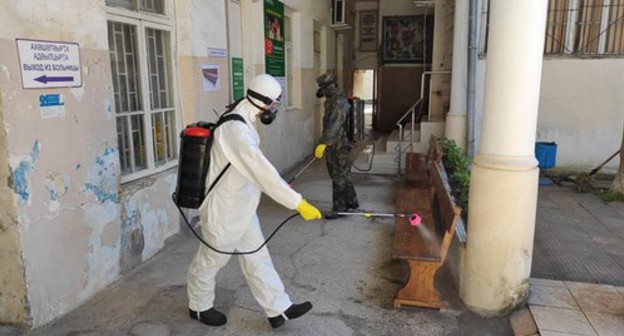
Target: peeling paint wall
[(68, 227), (147, 219), (63, 213), (13, 302)]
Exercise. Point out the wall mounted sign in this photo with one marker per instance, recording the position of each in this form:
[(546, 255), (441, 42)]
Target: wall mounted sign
[(368, 31), (274, 37), (211, 77), (47, 64), (51, 106), (408, 39), (215, 52), (238, 78)]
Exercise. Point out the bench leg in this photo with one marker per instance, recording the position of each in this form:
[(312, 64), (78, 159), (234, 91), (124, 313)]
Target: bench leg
[(420, 288)]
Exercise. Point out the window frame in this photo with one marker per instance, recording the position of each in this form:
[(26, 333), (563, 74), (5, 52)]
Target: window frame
[(143, 21), (572, 27)]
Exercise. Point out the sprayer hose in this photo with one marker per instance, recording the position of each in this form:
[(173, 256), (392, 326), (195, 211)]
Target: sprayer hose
[(233, 252)]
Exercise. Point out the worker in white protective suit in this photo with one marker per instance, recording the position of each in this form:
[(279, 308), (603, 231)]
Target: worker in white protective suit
[(228, 214)]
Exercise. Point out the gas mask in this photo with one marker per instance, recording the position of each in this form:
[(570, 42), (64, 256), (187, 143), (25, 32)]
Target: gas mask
[(325, 85), (269, 113), (322, 90)]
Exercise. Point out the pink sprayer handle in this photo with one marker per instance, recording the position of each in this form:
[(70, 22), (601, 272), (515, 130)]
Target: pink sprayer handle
[(415, 219)]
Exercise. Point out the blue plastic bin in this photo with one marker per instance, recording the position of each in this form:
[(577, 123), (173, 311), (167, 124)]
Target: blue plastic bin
[(546, 153)]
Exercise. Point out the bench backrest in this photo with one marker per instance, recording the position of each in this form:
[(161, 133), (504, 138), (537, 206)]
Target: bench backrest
[(441, 199)]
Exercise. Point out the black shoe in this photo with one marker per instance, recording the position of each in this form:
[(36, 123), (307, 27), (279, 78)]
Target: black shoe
[(333, 215), (210, 317), (354, 205), (293, 312)]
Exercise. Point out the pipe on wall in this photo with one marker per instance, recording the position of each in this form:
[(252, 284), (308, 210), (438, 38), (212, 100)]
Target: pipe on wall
[(472, 78)]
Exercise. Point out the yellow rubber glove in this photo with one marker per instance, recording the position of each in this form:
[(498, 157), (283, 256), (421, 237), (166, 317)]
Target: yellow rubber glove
[(319, 151), (308, 211)]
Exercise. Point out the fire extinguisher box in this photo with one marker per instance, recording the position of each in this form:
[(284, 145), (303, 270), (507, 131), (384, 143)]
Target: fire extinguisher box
[(546, 153)]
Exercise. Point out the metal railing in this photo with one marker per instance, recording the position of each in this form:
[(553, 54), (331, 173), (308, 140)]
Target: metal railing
[(412, 112)]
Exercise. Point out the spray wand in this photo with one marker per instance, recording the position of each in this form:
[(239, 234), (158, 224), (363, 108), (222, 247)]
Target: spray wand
[(414, 218), (290, 182)]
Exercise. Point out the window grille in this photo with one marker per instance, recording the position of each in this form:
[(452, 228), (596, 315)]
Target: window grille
[(577, 27), (142, 74)]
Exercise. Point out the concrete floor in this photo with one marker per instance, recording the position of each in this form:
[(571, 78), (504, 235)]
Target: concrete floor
[(344, 267)]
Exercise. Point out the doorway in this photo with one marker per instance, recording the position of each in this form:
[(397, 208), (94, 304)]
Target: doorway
[(364, 88)]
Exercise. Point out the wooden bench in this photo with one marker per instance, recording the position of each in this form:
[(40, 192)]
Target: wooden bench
[(425, 248)]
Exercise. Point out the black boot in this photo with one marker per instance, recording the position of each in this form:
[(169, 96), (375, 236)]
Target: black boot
[(333, 215), (210, 317), (354, 205), (292, 312)]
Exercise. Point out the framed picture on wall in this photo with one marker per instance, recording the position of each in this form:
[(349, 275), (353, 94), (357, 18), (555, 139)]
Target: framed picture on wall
[(368, 31), (407, 39)]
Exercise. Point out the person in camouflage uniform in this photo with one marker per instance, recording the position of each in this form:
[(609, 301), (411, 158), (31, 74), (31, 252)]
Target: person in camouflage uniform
[(336, 144)]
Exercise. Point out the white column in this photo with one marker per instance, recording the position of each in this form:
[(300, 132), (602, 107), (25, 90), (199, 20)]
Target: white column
[(456, 118), (503, 188)]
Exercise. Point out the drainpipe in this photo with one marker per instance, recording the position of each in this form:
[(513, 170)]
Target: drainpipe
[(472, 77)]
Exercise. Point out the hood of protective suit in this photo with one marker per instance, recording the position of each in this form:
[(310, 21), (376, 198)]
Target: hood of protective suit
[(247, 110)]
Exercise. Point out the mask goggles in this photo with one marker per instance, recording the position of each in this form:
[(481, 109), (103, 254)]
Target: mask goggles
[(272, 106)]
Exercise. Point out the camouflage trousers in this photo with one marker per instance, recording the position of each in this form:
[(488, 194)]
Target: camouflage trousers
[(339, 168)]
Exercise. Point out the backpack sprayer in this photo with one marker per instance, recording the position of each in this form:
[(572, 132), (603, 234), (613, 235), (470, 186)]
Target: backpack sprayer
[(194, 160)]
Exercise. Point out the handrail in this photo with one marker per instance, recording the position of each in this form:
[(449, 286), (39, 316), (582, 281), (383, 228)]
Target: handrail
[(411, 111)]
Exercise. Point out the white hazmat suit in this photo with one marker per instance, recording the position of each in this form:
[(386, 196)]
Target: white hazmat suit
[(228, 215)]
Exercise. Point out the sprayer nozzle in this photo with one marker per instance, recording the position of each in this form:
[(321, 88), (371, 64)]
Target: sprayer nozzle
[(414, 219)]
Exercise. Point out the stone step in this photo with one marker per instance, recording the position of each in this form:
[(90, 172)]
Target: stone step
[(393, 140)]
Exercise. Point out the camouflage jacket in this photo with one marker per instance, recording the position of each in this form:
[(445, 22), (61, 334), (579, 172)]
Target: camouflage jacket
[(337, 108)]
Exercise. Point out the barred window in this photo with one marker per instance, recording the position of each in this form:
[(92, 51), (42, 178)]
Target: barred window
[(578, 27), (141, 66)]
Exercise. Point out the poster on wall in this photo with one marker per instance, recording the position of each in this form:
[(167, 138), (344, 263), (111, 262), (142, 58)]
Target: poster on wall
[(274, 37), (368, 31), (238, 81), (408, 39), (211, 78)]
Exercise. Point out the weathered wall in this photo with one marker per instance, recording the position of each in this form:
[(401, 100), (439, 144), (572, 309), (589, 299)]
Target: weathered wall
[(64, 170), (68, 227), (77, 226), (580, 109), (13, 302)]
